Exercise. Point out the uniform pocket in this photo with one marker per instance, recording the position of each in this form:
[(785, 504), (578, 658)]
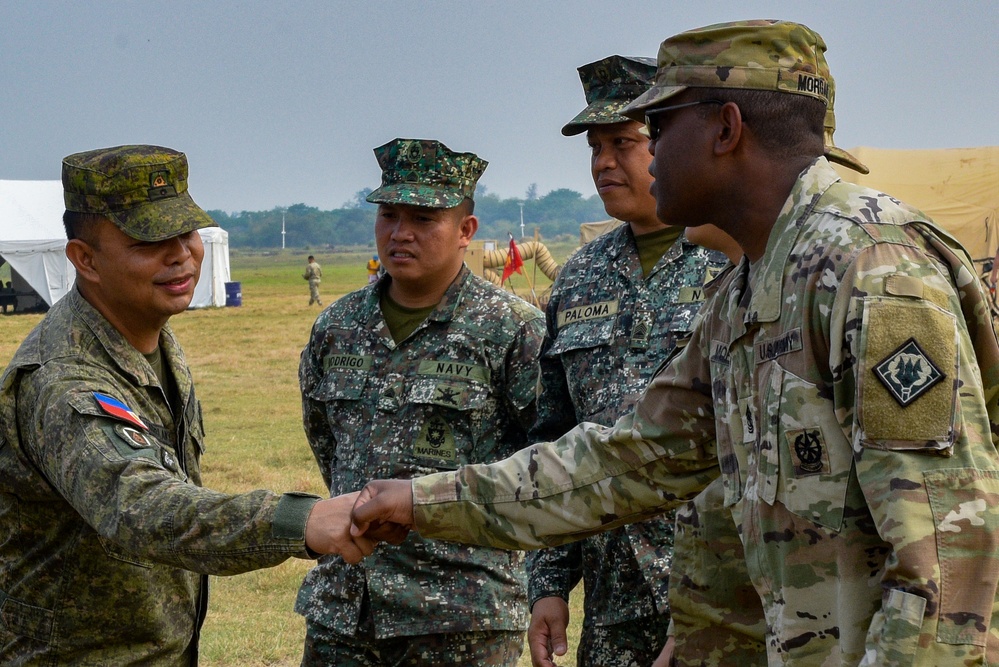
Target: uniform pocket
[(965, 506), (813, 457), (895, 631)]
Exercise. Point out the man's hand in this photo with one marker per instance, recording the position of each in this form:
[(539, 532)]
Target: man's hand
[(384, 511), (665, 658), (327, 530), (546, 636)]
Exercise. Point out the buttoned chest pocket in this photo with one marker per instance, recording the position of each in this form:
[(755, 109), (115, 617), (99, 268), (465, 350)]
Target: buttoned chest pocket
[(805, 460), (340, 394), (581, 347), (456, 417)]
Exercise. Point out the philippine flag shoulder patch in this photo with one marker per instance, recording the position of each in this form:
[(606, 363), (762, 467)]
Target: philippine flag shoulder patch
[(116, 408)]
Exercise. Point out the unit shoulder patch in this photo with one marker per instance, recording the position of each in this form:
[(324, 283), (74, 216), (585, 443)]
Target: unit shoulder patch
[(908, 373)]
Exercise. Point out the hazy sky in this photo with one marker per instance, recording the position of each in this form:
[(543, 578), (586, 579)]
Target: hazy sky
[(278, 103)]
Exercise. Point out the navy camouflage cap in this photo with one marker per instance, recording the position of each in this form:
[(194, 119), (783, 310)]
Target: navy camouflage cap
[(609, 85), (758, 55), (424, 172), (141, 189)]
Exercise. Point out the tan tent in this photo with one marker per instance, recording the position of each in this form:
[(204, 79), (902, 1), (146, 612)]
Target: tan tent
[(956, 187)]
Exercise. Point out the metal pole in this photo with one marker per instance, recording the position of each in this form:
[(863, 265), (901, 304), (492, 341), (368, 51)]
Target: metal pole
[(521, 219)]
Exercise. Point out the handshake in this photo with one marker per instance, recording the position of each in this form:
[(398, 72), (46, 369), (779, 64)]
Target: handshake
[(351, 525)]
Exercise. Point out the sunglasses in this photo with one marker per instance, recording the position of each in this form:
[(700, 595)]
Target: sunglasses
[(652, 128)]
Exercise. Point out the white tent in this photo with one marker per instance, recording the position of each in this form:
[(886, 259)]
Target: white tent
[(33, 242)]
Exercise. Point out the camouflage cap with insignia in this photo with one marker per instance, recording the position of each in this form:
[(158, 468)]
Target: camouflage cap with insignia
[(757, 55), (609, 85), (833, 152), (141, 189), (424, 172)]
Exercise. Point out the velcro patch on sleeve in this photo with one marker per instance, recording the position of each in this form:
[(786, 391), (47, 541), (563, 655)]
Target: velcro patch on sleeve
[(907, 372)]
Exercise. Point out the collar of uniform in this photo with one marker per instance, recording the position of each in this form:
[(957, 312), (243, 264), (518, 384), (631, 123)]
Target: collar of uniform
[(128, 359), (452, 296), (442, 313), (767, 279)]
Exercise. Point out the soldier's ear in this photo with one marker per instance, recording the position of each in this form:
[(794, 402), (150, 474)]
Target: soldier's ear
[(466, 230), (81, 254)]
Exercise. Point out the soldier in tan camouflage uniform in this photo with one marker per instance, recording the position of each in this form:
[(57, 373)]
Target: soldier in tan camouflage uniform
[(107, 534), (617, 309), (314, 274), (428, 369), (843, 383), (717, 616)]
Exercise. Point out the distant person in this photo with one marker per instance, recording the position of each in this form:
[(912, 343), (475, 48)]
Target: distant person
[(314, 274), (617, 310), (373, 269), (425, 370), (107, 534), (8, 297)]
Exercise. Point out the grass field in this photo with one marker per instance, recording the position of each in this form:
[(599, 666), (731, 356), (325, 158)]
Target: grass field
[(245, 362)]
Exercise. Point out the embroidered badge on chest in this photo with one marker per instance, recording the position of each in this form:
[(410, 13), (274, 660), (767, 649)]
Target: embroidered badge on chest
[(808, 450), (641, 329), (908, 373), (436, 441)]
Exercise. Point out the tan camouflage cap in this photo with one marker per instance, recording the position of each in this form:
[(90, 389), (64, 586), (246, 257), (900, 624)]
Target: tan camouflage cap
[(141, 189), (609, 85), (833, 152), (424, 172), (759, 55)]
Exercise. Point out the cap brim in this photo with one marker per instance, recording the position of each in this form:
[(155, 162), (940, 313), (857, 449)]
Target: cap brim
[(162, 219), (840, 156), (597, 112), (415, 195), (652, 97)]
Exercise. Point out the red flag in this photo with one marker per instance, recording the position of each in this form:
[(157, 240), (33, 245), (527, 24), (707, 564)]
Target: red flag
[(513, 261)]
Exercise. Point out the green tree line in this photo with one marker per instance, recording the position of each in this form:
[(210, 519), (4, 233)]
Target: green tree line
[(557, 215)]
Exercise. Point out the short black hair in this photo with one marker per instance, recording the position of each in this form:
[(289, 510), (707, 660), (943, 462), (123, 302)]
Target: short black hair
[(786, 124), (81, 225), (467, 206)]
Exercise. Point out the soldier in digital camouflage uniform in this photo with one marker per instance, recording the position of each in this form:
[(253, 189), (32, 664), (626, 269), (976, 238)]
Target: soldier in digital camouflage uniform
[(107, 533), (428, 369), (842, 383), (616, 311), (718, 619)]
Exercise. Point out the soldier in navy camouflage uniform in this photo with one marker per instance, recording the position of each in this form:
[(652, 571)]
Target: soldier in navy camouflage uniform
[(843, 384), (617, 309), (107, 533), (428, 369)]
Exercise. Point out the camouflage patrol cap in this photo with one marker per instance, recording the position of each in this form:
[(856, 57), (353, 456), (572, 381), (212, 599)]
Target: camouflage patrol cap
[(609, 85), (833, 152), (141, 189), (424, 172), (758, 55)]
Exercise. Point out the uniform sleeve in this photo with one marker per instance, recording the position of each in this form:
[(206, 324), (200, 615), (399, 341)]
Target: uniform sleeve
[(554, 572), (557, 570), (591, 479), (132, 493), (924, 454), (522, 383), (315, 420), (556, 413)]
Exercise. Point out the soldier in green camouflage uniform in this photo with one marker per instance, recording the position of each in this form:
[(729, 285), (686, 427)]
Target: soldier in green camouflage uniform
[(616, 311), (107, 533), (428, 369), (843, 384)]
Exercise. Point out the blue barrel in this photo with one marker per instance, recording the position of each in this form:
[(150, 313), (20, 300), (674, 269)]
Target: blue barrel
[(233, 294)]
